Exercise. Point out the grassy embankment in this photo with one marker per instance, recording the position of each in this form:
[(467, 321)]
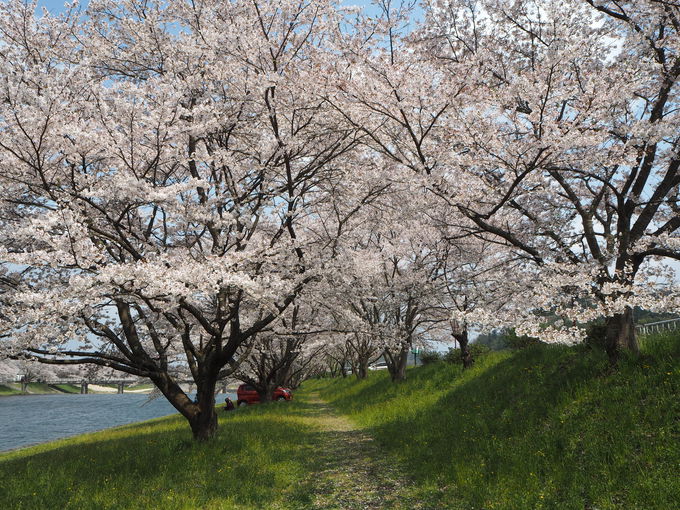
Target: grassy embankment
[(548, 427), (11, 389), (263, 458)]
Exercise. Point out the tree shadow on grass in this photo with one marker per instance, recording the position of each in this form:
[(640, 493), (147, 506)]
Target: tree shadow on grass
[(256, 461)]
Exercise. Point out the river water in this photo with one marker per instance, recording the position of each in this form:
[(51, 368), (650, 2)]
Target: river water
[(32, 419)]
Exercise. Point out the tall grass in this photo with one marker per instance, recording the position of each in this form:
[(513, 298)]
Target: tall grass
[(545, 427)]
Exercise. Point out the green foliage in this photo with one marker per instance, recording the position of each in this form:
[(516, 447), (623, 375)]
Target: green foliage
[(494, 340), (476, 350), (641, 316), (452, 356), (596, 334), (479, 350), (545, 427), (428, 357), (519, 342)]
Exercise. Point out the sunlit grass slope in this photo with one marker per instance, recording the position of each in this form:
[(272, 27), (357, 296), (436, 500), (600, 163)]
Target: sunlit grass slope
[(262, 459), (548, 427), (544, 428)]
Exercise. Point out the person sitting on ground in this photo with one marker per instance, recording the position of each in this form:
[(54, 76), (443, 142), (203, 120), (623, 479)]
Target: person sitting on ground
[(229, 406)]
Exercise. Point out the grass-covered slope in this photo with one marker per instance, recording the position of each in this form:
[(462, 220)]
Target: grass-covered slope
[(263, 458), (543, 428), (547, 427), (12, 389), (7, 390)]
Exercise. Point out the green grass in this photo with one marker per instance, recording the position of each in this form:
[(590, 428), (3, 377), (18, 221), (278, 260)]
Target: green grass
[(263, 458), (40, 388), (8, 390), (34, 388), (544, 428)]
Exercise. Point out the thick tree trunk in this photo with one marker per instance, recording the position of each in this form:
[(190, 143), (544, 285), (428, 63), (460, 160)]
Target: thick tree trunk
[(397, 364), (620, 335), (361, 369), (204, 423), (266, 392), (201, 414), (465, 354), (399, 373)]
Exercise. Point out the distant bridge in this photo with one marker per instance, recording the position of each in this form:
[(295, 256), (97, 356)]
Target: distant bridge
[(658, 327), (187, 385), (120, 383)]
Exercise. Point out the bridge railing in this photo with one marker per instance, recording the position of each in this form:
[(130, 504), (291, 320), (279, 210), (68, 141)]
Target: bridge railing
[(658, 327)]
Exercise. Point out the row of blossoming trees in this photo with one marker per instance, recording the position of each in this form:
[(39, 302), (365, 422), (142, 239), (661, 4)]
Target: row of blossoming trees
[(204, 188)]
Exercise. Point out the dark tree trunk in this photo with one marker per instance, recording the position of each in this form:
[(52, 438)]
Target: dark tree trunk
[(620, 335), (343, 367), (204, 422), (266, 391), (397, 364), (399, 373), (361, 369), (200, 414), (465, 354)]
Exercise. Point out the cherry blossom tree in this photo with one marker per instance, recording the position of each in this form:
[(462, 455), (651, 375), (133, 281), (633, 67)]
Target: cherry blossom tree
[(160, 161), (284, 355), (335, 358), (471, 275), (573, 145), (549, 128), (25, 371), (383, 294)]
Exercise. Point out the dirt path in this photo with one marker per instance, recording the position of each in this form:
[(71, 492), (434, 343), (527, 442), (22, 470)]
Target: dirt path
[(355, 473)]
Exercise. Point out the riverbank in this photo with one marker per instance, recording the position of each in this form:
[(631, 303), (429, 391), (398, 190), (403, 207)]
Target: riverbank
[(546, 427), (293, 455), (14, 389)]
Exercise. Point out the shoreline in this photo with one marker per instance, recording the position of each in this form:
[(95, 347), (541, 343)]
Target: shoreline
[(93, 389)]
